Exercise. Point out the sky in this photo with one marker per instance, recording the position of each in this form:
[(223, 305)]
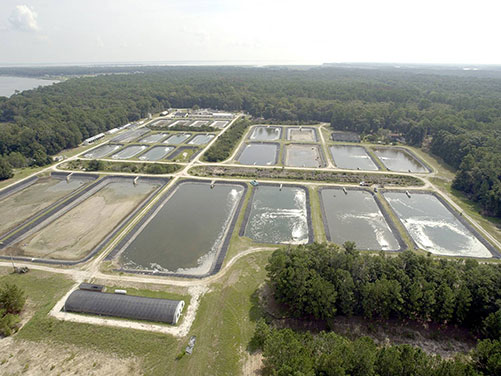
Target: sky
[(249, 32)]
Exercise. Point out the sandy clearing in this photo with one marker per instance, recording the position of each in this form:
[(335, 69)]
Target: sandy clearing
[(21, 205), (294, 134), (48, 358), (76, 233)]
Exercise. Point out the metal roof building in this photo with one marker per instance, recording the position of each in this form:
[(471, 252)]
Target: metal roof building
[(126, 306)]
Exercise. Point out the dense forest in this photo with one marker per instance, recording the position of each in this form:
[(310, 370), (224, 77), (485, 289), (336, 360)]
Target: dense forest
[(458, 116), (286, 352), (324, 280), (321, 281)]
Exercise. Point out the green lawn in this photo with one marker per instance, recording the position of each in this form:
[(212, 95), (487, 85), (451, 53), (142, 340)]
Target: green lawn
[(223, 326)]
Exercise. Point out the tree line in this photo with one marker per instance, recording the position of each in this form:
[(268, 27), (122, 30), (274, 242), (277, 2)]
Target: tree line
[(459, 113), (324, 280), (286, 352)]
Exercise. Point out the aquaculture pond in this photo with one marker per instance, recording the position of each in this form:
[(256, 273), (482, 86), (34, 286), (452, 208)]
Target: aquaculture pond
[(278, 215), (297, 155), (129, 152), (355, 216), (199, 123), (301, 134), (219, 124), (433, 226), (156, 153), (130, 135), (259, 154), (177, 138), (399, 160), (21, 205), (186, 233), (201, 139), (102, 151), (352, 157), (153, 138), (265, 133), (75, 234)]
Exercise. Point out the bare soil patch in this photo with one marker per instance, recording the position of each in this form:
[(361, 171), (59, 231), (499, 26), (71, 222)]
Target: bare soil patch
[(76, 233), (47, 358)]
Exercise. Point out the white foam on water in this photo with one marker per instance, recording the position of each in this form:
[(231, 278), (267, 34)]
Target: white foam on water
[(419, 227), (376, 221)]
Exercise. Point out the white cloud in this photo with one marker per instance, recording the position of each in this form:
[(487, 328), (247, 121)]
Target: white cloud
[(23, 18)]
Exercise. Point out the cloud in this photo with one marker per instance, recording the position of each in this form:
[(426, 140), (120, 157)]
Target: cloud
[(23, 18)]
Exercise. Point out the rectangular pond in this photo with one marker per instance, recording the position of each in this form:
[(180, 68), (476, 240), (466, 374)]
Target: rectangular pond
[(186, 232), (129, 151), (399, 160), (352, 157), (180, 123), (201, 139), (301, 134), (433, 226), (160, 123), (153, 138), (259, 154), (219, 124), (156, 153), (199, 123), (278, 215), (130, 135), (74, 235), (297, 155), (265, 133), (19, 206), (177, 139), (102, 151), (355, 216)]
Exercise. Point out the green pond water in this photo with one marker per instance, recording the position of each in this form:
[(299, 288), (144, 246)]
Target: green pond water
[(259, 154), (399, 160), (187, 232), (356, 217), (266, 133), (352, 157)]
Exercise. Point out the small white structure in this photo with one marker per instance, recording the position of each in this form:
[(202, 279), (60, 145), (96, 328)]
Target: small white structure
[(163, 113), (92, 139)]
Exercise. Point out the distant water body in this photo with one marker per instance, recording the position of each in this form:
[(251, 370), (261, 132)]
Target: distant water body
[(8, 85)]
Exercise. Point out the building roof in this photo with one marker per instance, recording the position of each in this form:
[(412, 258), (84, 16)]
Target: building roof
[(126, 306)]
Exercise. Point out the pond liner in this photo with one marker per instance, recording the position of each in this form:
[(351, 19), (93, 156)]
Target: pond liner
[(173, 154), (373, 159), (16, 187), (43, 214), (218, 262), (101, 245), (320, 153), (409, 152), (307, 204), (391, 224), (288, 129), (245, 144), (491, 248)]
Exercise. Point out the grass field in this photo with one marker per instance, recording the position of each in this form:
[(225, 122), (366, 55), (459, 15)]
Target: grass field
[(223, 326)]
